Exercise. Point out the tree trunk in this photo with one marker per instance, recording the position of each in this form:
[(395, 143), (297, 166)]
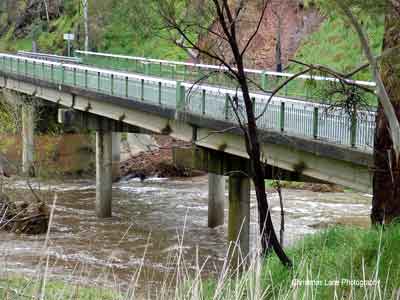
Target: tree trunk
[(86, 22), (386, 182)]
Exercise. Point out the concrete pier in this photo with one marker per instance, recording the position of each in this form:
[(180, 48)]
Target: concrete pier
[(116, 156), (104, 173), (28, 146), (239, 216), (216, 200)]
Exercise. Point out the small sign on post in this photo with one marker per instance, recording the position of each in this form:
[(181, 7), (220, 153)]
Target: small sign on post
[(69, 37)]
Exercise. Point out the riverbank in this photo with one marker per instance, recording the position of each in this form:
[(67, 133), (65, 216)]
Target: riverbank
[(341, 262), (338, 263)]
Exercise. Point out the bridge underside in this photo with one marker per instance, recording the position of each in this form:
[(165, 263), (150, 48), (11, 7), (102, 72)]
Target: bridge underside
[(219, 148), (311, 158)]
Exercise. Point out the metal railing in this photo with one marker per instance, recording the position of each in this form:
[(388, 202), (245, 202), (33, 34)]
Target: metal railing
[(310, 120), (51, 57), (260, 80)]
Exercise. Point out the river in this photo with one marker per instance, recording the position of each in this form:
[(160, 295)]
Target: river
[(150, 219)]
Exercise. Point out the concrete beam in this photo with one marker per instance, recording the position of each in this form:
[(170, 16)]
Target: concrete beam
[(104, 174), (216, 200), (239, 217), (79, 120)]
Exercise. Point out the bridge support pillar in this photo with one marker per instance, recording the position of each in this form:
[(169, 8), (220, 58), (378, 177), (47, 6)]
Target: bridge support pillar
[(216, 199), (104, 173), (28, 146), (116, 155), (239, 217)]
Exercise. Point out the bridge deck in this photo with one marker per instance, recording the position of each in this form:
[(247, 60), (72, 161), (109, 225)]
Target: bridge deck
[(307, 119)]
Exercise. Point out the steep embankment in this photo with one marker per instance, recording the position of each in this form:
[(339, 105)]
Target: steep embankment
[(287, 20)]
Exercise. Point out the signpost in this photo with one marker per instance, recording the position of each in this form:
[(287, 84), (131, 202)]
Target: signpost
[(69, 37)]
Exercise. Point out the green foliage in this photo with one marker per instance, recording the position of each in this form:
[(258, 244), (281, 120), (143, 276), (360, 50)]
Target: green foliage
[(336, 45)]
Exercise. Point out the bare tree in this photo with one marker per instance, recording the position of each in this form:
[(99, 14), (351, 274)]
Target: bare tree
[(226, 49)]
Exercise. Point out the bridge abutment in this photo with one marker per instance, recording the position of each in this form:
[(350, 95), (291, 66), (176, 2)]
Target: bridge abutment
[(216, 200), (239, 217)]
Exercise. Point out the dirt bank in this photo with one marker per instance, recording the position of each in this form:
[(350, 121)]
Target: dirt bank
[(289, 17), (157, 162)]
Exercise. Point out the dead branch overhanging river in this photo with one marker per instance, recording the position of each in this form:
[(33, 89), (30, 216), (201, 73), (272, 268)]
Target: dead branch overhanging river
[(151, 218)]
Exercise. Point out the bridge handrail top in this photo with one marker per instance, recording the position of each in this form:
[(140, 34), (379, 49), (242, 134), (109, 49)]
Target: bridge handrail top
[(215, 67), (47, 55), (195, 87), (93, 69)]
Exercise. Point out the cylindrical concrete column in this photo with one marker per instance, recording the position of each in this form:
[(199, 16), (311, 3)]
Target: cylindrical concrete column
[(103, 174), (239, 216), (28, 146), (216, 200), (116, 155)]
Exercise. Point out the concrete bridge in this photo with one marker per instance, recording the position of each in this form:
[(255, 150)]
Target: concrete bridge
[(299, 139)]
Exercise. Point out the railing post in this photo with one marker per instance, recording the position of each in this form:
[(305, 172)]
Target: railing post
[(74, 72), (86, 79), (315, 123), (18, 66), (52, 73), (142, 89), (253, 99), (353, 130), (180, 96), (112, 84), (227, 103), (98, 81), (159, 92), (127, 87), (203, 102), (282, 119), (264, 81), (184, 72), (34, 69), (43, 71), (26, 67), (62, 74)]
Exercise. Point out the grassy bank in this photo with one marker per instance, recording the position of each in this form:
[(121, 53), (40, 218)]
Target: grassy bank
[(340, 263)]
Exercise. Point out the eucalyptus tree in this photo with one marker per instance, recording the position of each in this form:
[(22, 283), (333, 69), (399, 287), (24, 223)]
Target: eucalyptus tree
[(385, 70)]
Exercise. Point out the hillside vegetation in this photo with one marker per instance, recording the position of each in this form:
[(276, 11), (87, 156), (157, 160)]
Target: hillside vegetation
[(127, 27), (134, 28)]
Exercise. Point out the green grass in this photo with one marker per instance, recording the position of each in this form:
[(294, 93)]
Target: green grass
[(327, 258), (336, 45), (24, 288)]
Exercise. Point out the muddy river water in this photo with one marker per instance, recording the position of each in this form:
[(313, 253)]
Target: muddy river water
[(149, 221)]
